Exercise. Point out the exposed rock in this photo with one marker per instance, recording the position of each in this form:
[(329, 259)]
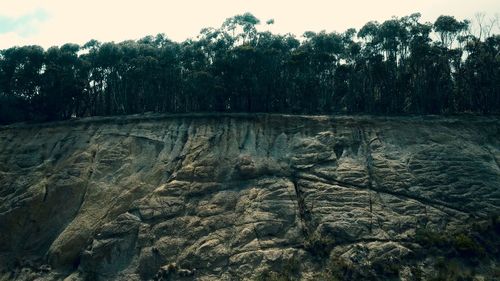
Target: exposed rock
[(238, 197)]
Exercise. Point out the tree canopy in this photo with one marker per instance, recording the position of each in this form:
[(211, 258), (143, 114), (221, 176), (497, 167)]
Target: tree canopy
[(393, 67)]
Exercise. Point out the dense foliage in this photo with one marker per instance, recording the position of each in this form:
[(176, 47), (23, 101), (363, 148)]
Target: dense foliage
[(389, 68)]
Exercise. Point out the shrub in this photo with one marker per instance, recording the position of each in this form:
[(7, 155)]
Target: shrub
[(450, 270), (272, 276), (466, 246), (429, 238), (387, 268), (319, 246), (290, 269), (459, 242)]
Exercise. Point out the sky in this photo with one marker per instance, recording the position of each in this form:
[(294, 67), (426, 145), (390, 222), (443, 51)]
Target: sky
[(55, 22)]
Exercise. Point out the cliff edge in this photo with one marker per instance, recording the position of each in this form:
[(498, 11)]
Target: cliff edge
[(250, 197)]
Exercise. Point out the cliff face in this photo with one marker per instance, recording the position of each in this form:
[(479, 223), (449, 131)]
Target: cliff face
[(248, 197)]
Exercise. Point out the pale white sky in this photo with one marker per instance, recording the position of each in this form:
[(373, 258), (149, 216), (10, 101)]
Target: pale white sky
[(54, 22)]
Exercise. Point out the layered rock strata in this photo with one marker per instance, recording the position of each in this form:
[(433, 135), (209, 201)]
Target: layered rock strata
[(236, 197)]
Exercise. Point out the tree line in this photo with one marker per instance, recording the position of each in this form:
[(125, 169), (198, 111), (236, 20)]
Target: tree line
[(400, 66)]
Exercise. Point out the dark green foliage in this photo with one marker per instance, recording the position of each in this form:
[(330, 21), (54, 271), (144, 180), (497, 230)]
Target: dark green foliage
[(319, 246), (450, 270), (458, 251), (272, 276), (292, 266), (453, 244), (429, 238), (338, 269), (388, 269), (289, 270), (465, 245), (496, 273), (386, 68)]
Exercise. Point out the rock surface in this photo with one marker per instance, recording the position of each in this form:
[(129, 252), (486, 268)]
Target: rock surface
[(236, 197)]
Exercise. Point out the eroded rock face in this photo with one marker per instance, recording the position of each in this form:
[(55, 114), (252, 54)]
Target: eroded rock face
[(234, 197)]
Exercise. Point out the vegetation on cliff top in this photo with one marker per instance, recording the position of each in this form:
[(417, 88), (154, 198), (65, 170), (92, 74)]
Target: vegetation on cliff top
[(394, 67)]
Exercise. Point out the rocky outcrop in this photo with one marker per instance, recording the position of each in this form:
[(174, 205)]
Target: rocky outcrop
[(249, 197)]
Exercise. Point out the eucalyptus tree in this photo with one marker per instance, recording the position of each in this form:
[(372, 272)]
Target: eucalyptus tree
[(480, 76), (449, 29), (391, 67), (63, 82), (246, 23), (20, 78)]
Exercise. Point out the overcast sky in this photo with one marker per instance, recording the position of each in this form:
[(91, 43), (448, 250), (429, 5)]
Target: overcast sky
[(55, 22)]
